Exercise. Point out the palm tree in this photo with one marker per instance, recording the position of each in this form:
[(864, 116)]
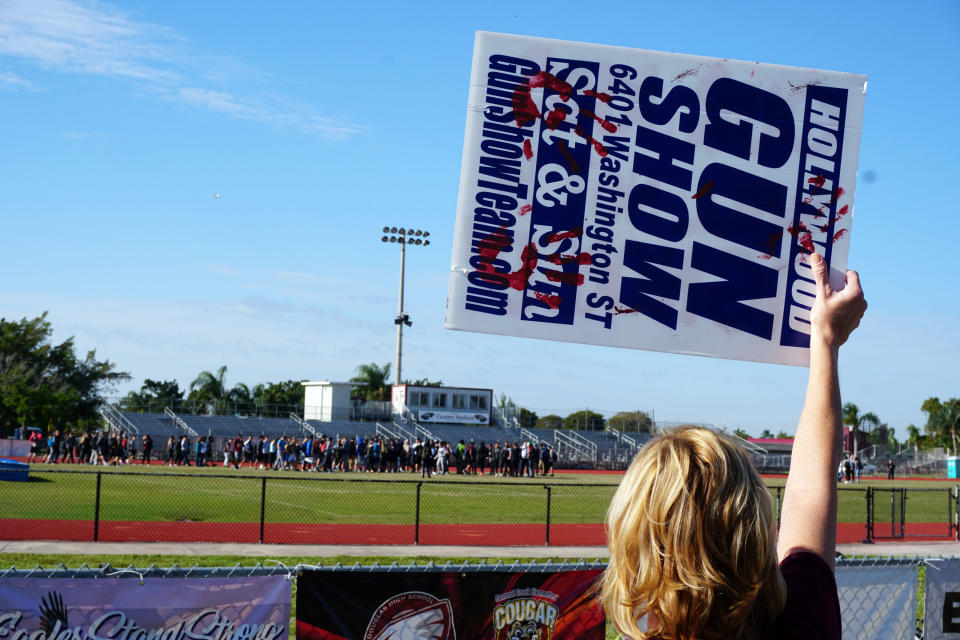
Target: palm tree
[(855, 420), (240, 395), (943, 420), (373, 381), (210, 389), (913, 437)]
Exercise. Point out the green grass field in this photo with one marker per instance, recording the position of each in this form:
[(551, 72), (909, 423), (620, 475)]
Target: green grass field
[(164, 494), (205, 495)]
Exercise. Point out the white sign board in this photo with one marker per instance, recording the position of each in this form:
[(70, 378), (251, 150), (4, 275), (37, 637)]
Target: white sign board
[(453, 417), (650, 200)]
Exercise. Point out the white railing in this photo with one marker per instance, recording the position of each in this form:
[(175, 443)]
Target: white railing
[(404, 433), (386, 432), (178, 421), (530, 436), (576, 446), (116, 419), (424, 434), (403, 415), (303, 424)]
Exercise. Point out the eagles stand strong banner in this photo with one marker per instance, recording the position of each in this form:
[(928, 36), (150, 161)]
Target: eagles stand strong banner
[(648, 200), (251, 608), (449, 605)]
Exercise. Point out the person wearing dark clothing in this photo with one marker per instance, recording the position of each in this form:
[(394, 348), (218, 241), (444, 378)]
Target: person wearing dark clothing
[(147, 448), (691, 529), (890, 467), (426, 459)]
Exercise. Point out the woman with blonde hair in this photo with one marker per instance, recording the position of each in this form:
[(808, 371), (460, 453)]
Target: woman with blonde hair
[(692, 532)]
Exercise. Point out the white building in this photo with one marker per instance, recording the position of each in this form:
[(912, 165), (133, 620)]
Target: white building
[(447, 405), (327, 401)]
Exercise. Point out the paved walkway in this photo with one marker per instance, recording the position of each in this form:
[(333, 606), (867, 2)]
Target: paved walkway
[(905, 549)]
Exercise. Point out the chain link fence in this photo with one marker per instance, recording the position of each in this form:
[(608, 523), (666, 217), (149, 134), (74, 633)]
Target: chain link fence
[(872, 590), (316, 508)]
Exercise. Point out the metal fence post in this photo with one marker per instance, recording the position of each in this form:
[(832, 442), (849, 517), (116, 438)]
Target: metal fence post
[(416, 521), (96, 511), (778, 506), (547, 540), (263, 504), (956, 510), (869, 497)]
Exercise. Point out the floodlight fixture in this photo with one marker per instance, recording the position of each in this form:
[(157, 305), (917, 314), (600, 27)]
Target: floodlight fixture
[(403, 236)]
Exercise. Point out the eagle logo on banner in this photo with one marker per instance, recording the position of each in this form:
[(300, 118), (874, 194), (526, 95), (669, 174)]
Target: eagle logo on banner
[(413, 615)]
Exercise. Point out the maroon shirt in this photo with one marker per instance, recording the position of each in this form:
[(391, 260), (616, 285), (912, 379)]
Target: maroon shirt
[(812, 611)]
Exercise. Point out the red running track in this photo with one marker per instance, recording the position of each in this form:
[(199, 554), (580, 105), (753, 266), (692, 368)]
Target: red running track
[(380, 534)]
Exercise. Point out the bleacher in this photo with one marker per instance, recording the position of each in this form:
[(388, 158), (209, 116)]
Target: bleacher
[(611, 451), (161, 426)]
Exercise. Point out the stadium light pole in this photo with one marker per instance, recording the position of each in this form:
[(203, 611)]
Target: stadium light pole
[(403, 237)]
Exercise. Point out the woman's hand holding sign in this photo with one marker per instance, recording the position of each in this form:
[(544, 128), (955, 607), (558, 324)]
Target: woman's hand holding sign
[(809, 516)]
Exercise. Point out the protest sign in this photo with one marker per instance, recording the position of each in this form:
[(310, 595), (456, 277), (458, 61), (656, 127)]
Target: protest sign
[(253, 608), (449, 605), (649, 200)]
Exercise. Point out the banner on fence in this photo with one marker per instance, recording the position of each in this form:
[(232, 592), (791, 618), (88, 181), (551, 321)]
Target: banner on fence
[(254, 608), (878, 601), (649, 200), (448, 605), (942, 600)]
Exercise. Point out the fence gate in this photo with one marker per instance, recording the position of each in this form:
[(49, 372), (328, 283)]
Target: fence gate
[(885, 513)]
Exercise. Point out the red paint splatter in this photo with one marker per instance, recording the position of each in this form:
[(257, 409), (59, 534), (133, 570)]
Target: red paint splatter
[(574, 166), (795, 232), (597, 145), (818, 181), (839, 234), (608, 126), (491, 246), (837, 193), (551, 301), (602, 97), (774, 241), (618, 310), (704, 190), (554, 118), (518, 279), (550, 81), (802, 234), (575, 279), (843, 211), (557, 236), (525, 209), (524, 109), (687, 73), (580, 258), (527, 149), (765, 256)]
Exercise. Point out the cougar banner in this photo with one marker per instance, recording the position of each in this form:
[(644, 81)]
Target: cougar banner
[(448, 605)]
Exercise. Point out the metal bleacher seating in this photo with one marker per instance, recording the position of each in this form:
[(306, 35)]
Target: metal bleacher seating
[(612, 450)]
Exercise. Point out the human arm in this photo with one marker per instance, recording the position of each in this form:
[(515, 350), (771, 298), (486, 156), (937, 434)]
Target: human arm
[(809, 513)]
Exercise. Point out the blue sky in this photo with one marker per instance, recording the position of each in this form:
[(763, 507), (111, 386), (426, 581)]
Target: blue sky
[(319, 123)]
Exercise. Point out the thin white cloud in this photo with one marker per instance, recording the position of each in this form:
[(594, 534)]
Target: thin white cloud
[(223, 102), (96, 38), (79, 135), (10, 81), (93, 38)]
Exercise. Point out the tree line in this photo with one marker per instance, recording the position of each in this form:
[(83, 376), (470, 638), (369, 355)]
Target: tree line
[(43, 384)]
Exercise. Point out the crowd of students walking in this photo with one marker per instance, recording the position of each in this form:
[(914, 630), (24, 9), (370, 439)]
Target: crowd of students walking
[(321, 453)]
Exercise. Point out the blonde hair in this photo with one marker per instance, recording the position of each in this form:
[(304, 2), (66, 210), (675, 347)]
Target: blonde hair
[(691, 538)]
